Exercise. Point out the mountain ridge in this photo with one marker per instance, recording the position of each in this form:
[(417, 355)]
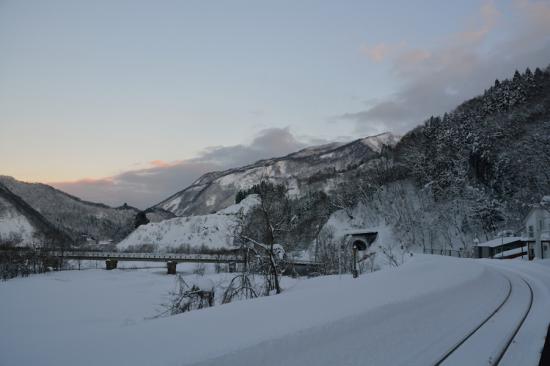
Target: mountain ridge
[(313, 155)]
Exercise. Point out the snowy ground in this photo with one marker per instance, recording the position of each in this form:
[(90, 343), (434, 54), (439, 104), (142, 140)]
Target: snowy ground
[(405, 316)]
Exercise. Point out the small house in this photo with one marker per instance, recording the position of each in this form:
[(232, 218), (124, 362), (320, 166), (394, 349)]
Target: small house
[(534, 243), (502, 247)]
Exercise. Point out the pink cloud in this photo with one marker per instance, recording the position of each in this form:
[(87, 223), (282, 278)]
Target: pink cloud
[(481, 25), (106, 181), (537, 11), (381, 51), (406, 58), (164, 164)]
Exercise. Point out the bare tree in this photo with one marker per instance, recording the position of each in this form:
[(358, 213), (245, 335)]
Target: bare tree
[(186, 298), (270, 221)]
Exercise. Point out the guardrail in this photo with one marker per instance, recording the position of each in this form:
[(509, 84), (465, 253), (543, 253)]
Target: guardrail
[(447, 252)]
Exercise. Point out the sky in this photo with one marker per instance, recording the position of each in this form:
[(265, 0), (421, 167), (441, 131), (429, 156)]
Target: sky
[(131, 101)]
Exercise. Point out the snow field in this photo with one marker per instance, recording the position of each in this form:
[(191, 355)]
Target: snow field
[(408, 315)]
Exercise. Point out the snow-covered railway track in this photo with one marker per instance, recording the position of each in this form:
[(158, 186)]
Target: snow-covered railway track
[(489, 341)]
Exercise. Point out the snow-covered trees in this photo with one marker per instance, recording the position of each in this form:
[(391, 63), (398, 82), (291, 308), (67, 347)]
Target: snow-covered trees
[(495, 145), (15, 262)]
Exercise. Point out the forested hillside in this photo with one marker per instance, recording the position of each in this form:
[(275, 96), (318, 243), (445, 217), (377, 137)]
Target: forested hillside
[(75, 218), (466, 174)]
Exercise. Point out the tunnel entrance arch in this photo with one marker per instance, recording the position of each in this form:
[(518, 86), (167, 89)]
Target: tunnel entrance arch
[(360, 241)]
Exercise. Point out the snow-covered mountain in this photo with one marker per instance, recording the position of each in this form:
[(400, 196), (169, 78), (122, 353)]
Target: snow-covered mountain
[(212, 231), (46, 208), (317, 168)]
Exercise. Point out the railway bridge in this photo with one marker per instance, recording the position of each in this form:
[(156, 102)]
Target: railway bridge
[(171, 259)]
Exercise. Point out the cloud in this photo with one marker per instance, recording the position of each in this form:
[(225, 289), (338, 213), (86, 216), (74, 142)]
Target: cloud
[(462, 65), (147, 186), (163, 164), (268, 143), (381, 51)]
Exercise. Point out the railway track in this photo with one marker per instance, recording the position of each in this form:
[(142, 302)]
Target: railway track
[(480, 346)]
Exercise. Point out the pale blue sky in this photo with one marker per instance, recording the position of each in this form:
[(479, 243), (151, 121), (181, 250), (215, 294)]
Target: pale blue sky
[(92, 89)]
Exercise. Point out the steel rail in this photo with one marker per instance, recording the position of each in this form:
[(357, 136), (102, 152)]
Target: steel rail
[(473, 331), (516, 329)]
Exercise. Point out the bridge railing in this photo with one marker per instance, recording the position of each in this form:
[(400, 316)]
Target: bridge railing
[(79, 254), (163, 256)]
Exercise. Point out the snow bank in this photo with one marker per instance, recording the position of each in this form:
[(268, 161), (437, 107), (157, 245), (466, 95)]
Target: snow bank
[(213, 231)]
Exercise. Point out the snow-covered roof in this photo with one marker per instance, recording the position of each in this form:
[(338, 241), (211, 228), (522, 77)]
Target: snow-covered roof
[(500, 241)]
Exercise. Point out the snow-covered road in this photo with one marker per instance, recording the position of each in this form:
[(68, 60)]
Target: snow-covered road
[(413, 315)]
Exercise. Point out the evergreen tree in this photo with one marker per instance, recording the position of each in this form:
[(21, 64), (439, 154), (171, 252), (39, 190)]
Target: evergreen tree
[(141, 219)]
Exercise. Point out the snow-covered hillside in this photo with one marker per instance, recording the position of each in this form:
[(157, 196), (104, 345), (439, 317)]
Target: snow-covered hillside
[(213, 231), (69, 214), (316, 168), (22, 225), (14, 226), (377, 142)]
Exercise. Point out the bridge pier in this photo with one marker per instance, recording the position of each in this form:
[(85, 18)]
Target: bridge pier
[(111, 264), (171, 265)]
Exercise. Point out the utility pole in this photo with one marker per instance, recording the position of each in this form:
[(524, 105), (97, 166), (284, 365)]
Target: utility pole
[(340, 260)]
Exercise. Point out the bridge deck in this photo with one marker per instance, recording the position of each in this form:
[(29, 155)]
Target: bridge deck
[(163, 257)]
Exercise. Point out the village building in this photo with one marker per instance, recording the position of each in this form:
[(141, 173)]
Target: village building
[(503, 247), (534, 241), (537, 229)]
